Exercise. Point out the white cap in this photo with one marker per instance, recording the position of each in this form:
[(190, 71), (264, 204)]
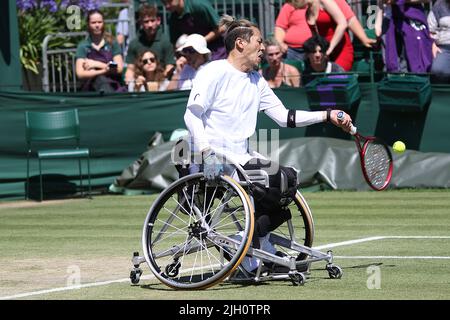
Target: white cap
[(196, 41), (181, 40)]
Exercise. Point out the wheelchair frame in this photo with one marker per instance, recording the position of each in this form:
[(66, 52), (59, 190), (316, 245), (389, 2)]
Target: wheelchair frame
[(201, 233)]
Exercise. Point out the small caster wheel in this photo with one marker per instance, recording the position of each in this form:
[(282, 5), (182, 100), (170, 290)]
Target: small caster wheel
[(135, 275), (334, 272), (297, 278), (173, 269)]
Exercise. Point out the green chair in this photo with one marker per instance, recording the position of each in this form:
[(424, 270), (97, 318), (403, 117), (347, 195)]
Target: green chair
[(299, 64), (46, 128)]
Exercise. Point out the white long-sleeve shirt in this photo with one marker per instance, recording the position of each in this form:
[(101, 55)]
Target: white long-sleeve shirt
[(223, 105)]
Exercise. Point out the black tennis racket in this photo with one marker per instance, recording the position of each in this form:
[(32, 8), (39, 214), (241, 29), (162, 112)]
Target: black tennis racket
[(376, 159)]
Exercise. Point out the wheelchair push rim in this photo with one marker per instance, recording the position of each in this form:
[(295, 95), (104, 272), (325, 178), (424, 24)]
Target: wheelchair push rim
[(196, 233)]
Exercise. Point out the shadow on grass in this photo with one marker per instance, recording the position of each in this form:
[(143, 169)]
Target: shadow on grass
[(221, 286), (375, 264), (314, 276)]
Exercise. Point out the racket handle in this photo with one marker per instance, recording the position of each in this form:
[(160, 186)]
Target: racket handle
[(340, 117)]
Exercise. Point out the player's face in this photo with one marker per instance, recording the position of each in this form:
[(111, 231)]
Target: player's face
[(273, 55), (254, 50)]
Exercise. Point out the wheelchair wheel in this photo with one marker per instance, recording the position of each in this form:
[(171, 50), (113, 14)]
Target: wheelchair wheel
[(305, 229), (196, 233), (302, 223)]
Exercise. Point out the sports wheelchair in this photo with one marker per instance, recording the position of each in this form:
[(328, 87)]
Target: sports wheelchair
[(198, 232)]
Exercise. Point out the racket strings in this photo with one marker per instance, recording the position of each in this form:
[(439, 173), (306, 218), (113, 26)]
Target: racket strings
[(377, 163)]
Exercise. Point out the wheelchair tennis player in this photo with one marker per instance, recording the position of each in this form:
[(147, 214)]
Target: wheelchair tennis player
[(221, 218), (221, 116)]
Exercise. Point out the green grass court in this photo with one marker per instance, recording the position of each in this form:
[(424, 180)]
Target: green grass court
[(46, 247)]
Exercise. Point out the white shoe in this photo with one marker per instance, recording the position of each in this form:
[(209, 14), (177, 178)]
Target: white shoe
[(248, 263), (266, 245)]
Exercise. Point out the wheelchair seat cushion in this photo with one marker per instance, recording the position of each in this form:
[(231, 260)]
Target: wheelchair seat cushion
[(282, 186)]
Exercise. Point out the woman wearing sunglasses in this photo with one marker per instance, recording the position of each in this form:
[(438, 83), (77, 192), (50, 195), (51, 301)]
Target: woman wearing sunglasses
[(149, 74), (197, 55)]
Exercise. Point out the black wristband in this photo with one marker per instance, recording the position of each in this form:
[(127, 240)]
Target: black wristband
[(328, 115), (291, 119)]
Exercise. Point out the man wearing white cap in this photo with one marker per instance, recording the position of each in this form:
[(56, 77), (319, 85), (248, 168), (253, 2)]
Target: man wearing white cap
[(197, 54)]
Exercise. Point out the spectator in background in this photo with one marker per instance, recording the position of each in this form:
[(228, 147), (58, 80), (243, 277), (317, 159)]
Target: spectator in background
[(180, 60), (196, 16), (278, 73), (122, 32), (316, 60), (439, 23), (408, 44), (149, 74), (333, 28), (99, 63), (358, 30), (197, 54), (297, 22), (150, 37), (293, 27)]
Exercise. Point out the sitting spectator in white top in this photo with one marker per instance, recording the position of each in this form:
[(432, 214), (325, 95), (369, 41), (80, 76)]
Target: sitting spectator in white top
[(197, 55)]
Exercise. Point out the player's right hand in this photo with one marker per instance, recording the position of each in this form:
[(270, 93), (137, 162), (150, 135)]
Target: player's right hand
[(341, 119), (212, 167)]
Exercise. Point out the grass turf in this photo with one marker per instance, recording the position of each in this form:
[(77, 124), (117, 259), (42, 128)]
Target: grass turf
[(44, 245)]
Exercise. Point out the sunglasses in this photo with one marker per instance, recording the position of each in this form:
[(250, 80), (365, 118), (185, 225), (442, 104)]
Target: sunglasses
[(188, 50), (178, 55), (148, 61)]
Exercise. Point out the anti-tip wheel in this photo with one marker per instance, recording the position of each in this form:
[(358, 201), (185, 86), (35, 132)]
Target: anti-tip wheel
[(297, 278), (173, 269), (334, 272), (135, 275)]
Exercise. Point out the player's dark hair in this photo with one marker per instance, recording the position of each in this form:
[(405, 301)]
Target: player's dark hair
[(240, 28)]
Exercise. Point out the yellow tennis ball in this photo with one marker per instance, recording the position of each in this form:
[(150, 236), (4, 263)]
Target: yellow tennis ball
[(399, 147)]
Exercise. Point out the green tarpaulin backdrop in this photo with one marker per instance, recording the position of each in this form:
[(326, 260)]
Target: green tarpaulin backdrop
[(117, 128), (10, 76)]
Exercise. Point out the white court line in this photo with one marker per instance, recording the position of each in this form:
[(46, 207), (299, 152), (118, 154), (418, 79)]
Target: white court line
[(392, 257), (87, 285), (326, 246), (345, 243)]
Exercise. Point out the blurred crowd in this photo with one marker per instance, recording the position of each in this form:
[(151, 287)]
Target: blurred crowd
[(310, 37)]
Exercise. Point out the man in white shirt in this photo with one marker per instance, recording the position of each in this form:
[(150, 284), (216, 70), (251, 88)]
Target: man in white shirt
[(222, 111)]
